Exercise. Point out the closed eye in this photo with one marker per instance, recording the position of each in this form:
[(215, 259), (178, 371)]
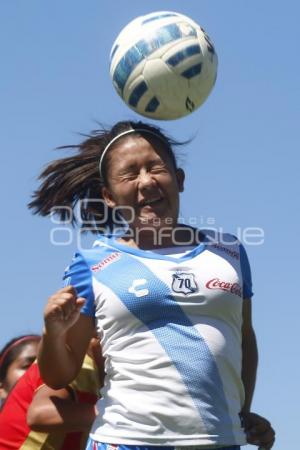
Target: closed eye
[(128, 177), (131, 173), (157, 168)]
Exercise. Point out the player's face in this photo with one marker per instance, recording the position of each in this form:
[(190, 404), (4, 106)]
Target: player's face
[(142, 177), (19, 366)]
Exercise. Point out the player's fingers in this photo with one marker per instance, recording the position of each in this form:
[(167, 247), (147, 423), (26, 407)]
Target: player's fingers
[(263, 446), (62, 315), (65, 295), (264, 439), (70, 289), (267, 446), (80, 301), (60, 306), (259, 427), (72, 310), (65, 298), (254, 424)]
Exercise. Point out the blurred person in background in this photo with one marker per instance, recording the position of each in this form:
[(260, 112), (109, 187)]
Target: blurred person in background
[(16, 357), (38, 417)]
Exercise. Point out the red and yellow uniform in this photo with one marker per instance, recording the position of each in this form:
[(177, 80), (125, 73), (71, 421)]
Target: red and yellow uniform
[(15, 434)]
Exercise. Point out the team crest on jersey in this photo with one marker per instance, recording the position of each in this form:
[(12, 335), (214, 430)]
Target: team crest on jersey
[(184, 283)]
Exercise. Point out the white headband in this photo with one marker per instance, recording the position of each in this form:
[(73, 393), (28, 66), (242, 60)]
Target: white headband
[(132, 130)]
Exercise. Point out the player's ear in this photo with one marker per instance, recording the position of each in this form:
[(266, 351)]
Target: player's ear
[(180, 176), (108, 197)]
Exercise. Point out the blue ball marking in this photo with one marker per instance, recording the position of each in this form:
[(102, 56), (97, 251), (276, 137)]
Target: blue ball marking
[(141, 50), (125, 66), (152, 105), (163, 36), (183, 54), (137, 93), (192, 71)]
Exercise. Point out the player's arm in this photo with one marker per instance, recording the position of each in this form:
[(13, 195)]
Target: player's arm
[(52, 410), (65, 339), (258, 429), (250, 354)]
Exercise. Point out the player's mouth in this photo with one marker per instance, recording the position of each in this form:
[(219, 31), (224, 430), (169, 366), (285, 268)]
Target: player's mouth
[(156, 201)]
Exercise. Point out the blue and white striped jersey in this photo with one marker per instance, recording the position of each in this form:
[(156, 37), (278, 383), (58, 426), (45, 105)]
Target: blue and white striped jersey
[(171, 334)]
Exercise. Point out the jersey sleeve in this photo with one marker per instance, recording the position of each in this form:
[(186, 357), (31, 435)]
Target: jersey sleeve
[(78, 274), (246, 273)]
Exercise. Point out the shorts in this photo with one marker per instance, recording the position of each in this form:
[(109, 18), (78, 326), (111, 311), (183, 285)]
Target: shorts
[(93, 445)]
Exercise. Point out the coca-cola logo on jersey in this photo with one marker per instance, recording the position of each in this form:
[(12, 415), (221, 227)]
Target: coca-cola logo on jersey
[(216, 283)]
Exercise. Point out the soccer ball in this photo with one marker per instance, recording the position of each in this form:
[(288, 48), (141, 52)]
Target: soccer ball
[(163, 65)]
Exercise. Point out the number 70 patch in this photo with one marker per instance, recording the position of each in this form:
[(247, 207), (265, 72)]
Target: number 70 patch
[(184, 283)]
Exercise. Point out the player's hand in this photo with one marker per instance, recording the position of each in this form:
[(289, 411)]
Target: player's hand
[(62, 311), (258, 430)]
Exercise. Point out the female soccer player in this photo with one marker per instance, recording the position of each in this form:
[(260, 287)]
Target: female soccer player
[(15, 358), (171, 303)]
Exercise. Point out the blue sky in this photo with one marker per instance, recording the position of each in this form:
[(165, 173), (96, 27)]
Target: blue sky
[(242, 166)]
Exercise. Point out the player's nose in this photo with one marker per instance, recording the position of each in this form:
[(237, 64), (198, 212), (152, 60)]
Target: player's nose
[(146, 180)]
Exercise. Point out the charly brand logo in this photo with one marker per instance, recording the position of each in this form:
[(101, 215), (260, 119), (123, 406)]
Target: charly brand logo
[(106, 261), (216, 283), (137, 288), (112, 447), (184, 283)]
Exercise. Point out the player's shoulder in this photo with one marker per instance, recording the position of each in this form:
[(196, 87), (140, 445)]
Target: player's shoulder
[(215, 236), (222, 243), (93, 259), (84, 256)]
